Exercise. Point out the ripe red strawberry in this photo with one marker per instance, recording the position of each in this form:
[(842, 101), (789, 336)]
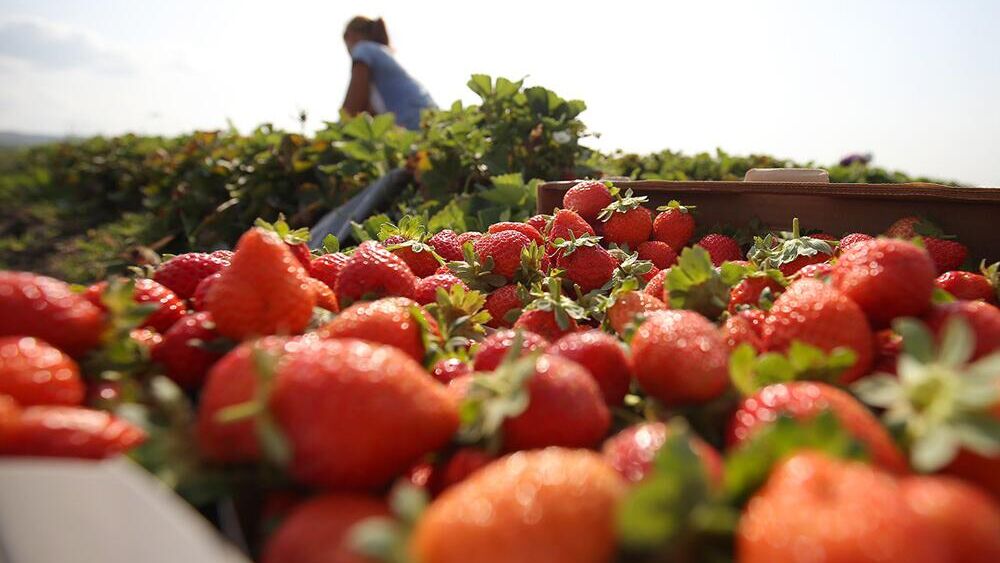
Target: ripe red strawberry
[(659, 253), (588, 198), (387, 321), (887, 278), (426, 288), (544, 323), (540, 526), (446, 244), (226, 255), (523, 228), (628, 306), (631, 227), (679, 357), (330, 397), (946, 254), (301, 253), (33, 372), (983, 319), (656, 286), (744, 328), (540, 223), (46, 308), (818, 315), (182, 351), (457, 468), (63, 431), (468, 236), (603, 356), (325, 298), (674, 225), (318, 530), (198, 299), (968, 518), (805, 399), (373, 272), (887, 348), (567, 221), (721, 248), (565, 408), (494, 347), (500, 302), (747, 292), (505, 250), (326, 268), (450, 368), (814, 508), (263, 292), (632, 451), (146, 337), (819, 271), (182, 273), (967, 286), (169, 307), (850, 240), (588, 265), (418, 256)]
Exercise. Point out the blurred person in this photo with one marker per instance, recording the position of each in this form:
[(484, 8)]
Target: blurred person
[(378, 83)]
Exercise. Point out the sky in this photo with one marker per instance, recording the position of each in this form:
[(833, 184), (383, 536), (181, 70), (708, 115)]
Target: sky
[(916, 83)]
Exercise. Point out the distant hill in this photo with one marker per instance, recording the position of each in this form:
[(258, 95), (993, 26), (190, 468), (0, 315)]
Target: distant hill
[(14, 139)]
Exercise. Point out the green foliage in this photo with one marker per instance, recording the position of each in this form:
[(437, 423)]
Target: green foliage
[(751, 372)]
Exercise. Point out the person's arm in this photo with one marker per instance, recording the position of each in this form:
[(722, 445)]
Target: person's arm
[(356, 100)]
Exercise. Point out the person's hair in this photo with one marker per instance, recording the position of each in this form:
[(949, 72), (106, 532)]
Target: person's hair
[(372, 30)]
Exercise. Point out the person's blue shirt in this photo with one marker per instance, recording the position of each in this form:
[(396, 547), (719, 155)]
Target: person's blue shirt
[(399, 92)]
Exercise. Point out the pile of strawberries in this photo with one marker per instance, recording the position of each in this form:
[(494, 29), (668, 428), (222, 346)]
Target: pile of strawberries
[(596, 385)]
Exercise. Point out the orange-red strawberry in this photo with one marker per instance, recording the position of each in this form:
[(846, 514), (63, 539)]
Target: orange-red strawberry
[(450, 368), (747, 292), (523, 228), (357, 414), (446, 244), (318, 530), (656, 286), (659, 253), (545, 324), (816, 314), (327, 267), (946, 254), (887, 348), (169, 308), (679, 357), (226, 255), (485, 519), (967, 517), (264, 291), (500, 302), (744, 327), (983, 319), (494, 348), (468, 236), (604, 358), (813, 508), (64, 431), (504, 248), (566, 221), (387, 321), (182, 273), (904, 228), (850, 240), (373, 272), (887, 278), (629, 228), (588, 264), (540, 223), (967, 286), (198, 299), (819, 271), (674, 225), (456, 468), (183, 353), (46, 308), (632, 451), (426, 288), (721, 248), (35, 373), (325, 297), (418, 256), (628, 306), (588, 198), (805, 399)]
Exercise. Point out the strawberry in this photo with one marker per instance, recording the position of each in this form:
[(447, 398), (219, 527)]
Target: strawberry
[(905, 228), (540, 223), (327, 268), (418, 256), (33, 372), (603, 356), (325, 297), (968, 518), (373, 272), (744, 327), (426, 288), (820, 271), (450, 368), (631, 307), (64, 431), (586, 263), (504, 249), (494, 347), (182, 273), (329, 399), (566, 221), (983, 319), (446, 244), (501, 301), (803, 400), (680, 358), (626, 221), (169, 307), (544, 323), (457, 468), (789, 252), (887, 347), (850, 240), (540, 526), (674, 225), (182, 351), (656, 286), (297, 240), (146, 337), (967, 286), (198, 299), (632, 451), (748, 292), (263, 292), (46, 308), (721, 248), (659, 253), (946, 254), (523, 228), (816, 314), (588, 198), (814, 508), (318, 530), (887, 278), (468, 236), (387, 321), (226, 255)]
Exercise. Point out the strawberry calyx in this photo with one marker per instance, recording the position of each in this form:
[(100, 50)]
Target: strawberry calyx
[(621, 204), (676, 205), (992, 275), (751, 372), (284, 230), (548, 296), (940, 403), (384, 538), (697, 285), (460, 318), (410, 227), (568, 246), (477, 275), (530, 271), (630, 267), (774, 251)]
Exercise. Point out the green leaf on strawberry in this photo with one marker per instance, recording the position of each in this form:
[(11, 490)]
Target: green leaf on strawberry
[(622, 204), (751, 372), (695, 284), (284, 231)]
